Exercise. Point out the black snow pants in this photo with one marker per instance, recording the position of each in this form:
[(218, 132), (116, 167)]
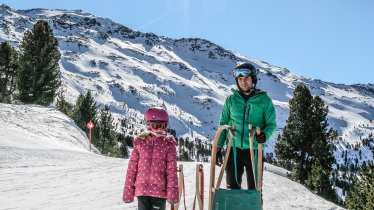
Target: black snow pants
[(151, 203), (243, 161)]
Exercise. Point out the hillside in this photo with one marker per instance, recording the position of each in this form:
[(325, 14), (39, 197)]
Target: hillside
[(130, 71), (45, 164)]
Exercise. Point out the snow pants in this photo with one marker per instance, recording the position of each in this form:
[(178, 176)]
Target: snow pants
[(151, 203), (243, 161)]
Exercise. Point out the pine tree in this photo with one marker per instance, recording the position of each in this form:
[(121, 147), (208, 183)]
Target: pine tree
[(362, 194), (64, 106), (107, 141), (129, 141), (39, 76), (322, 147), (295, 144), (319, 182), (84, 111), (307, 144), (8, 72), (172, 132), (123, 148), (180, 143)]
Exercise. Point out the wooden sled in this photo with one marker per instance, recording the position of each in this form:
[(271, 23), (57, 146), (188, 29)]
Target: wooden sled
[(226, 199)]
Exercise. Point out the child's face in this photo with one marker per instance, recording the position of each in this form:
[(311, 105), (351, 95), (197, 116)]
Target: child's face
[(158, 126)]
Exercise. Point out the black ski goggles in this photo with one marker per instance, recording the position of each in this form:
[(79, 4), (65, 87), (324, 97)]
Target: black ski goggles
[(243, 72)]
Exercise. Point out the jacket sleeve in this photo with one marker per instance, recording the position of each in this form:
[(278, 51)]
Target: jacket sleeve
[(270, 120), (129, 189), (172, 194), (224, 120)]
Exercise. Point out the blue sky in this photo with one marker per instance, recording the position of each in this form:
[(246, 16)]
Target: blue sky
[(331, 40)]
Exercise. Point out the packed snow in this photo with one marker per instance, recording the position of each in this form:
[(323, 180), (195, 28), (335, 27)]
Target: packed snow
[(45, 164)]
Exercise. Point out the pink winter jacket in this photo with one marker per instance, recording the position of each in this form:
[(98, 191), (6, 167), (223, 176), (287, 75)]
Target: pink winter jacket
[(152, 169)]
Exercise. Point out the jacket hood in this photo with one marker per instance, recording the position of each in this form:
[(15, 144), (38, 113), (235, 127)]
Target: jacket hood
[(148, 136)]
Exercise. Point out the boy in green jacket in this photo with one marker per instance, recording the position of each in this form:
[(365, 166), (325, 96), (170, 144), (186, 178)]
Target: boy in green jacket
[(245, 106)]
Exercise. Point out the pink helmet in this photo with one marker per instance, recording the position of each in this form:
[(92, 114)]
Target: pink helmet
[(156, 114), (157, 120)]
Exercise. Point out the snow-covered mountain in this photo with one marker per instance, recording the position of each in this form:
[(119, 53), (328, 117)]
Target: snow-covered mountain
[(131, 71), (45, 164)]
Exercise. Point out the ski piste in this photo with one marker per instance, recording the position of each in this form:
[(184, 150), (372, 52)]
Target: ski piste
[(224, 199), (37, 151)]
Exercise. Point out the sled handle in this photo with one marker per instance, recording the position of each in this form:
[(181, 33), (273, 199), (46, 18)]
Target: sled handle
[(213, 163), (229, 146), (251, 136), (199, 187), (258, 182), (259, 185), (181, 189)]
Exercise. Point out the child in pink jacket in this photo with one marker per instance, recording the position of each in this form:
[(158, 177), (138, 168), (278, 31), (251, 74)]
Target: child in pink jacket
[(152, 170)]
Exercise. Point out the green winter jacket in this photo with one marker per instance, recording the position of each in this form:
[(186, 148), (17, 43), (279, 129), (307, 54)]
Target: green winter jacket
[(258, 111)]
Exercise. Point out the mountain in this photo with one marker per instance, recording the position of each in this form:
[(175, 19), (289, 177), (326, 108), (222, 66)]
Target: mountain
[(45, 164), (130, 71)]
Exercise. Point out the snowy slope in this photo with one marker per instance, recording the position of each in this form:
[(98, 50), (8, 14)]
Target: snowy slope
[(59, 173), (130, 71), (38, 127)]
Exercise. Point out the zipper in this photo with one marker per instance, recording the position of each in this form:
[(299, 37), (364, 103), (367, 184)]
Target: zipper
[(244, 116), (150, 169), (245, 109)]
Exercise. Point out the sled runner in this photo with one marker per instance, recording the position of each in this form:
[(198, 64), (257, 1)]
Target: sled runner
[(181, 189), (199, 195), (232, 199)]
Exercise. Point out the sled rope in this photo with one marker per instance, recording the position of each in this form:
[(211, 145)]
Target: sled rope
[(257, 179), (235, 166)]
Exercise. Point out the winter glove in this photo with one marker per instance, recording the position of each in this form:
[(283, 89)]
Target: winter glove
[(261, 138), (219, 157)]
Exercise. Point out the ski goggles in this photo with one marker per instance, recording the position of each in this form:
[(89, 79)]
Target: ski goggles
[(158, 125), (243, 72)]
